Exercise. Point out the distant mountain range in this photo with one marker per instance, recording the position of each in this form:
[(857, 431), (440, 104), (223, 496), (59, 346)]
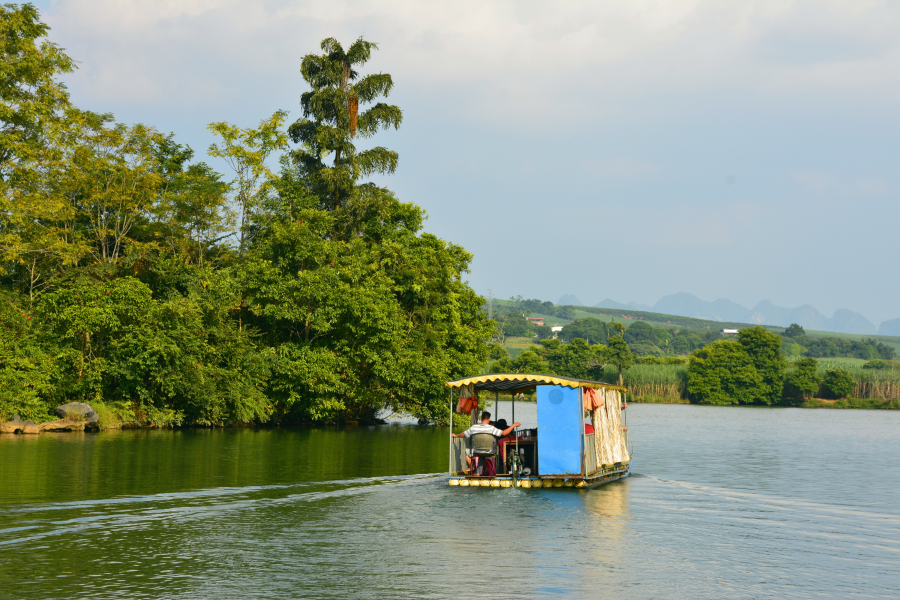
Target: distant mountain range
[(764, 313), (570, 300)]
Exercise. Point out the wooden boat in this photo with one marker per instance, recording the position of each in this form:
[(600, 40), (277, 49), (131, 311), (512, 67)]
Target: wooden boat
[(560, 453)]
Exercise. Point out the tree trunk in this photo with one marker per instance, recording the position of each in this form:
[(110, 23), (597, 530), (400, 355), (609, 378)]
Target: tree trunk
[(345, 80)]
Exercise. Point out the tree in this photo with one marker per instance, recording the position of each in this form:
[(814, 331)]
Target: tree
[(804, 380), (618, 354), (30, 95), (529, 361), (794, 331), (642, 339), (93, 184), (497, 351), (723, 373), (331, 120), (572, 359), (361, 309), (196, 213), (837, 383), (543, 331), (513, 325), (246, 151), (592, 330), (640, 332), (764, 349)]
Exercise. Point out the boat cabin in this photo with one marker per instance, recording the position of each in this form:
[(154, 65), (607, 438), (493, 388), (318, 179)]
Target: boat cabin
[(581, 438)]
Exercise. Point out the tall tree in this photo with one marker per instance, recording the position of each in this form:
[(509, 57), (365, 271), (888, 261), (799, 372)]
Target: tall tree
[(331, 121)]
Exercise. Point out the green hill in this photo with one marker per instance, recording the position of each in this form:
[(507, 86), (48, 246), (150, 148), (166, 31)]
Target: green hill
[(668, 321)]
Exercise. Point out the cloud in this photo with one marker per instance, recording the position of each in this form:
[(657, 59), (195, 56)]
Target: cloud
[(620, 166), (566, 122), (821, 182), (499, 62)]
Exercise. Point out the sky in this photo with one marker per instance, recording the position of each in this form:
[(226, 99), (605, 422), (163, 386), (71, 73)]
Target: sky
[(623, 149)]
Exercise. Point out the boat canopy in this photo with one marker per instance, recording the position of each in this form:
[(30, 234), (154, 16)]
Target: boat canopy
[(516, 382)]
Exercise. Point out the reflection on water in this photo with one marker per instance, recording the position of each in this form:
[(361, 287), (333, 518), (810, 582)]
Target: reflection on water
[(606, 516), (730, 503)]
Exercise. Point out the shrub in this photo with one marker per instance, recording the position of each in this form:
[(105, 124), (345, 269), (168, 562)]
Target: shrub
[(804, 380), (837, 383), (723, 373), (764, 349)]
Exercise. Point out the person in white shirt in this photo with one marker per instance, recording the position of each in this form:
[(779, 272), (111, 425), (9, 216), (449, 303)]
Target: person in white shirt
[(483, 427)]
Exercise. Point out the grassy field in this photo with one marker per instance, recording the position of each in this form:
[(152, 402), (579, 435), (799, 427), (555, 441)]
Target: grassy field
[(515, 345), (840, 363)]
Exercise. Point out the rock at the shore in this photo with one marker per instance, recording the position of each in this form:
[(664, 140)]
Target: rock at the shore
[(62, 425), (17, 425), (77, 408)]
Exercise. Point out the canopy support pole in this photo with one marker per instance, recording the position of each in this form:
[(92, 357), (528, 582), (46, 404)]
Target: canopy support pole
[(516, 462), (583, 432), (450, 454)]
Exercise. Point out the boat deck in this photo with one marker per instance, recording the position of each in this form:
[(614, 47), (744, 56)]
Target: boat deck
[(605, 475)]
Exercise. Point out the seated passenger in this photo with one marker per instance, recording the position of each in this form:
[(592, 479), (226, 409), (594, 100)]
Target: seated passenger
[(501, 424), (483, 427)]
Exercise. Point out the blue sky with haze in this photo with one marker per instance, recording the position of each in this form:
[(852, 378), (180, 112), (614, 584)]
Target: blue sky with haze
[(740, 150)]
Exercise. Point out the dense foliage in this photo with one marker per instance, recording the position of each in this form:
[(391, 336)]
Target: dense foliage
[(724, 373), (575, 359), (593, 331), (140, 281), (837, 383), (749, 370), (803, 381), (832, 347)]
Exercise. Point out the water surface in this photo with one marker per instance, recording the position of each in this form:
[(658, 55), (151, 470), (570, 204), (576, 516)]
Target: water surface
[(725, 503)]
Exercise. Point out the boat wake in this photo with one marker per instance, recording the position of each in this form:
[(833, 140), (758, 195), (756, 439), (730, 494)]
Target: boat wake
[(29, 523)]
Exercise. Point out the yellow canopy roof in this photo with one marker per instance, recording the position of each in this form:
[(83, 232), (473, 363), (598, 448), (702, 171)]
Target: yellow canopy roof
[(510, 382)]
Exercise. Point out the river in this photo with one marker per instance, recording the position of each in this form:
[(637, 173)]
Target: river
[(725, 502)]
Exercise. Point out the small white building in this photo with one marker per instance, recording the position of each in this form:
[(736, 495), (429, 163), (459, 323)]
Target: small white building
[(725, 332)]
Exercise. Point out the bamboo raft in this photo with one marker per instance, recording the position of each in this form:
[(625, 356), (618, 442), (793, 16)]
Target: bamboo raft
[(563, 453)]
